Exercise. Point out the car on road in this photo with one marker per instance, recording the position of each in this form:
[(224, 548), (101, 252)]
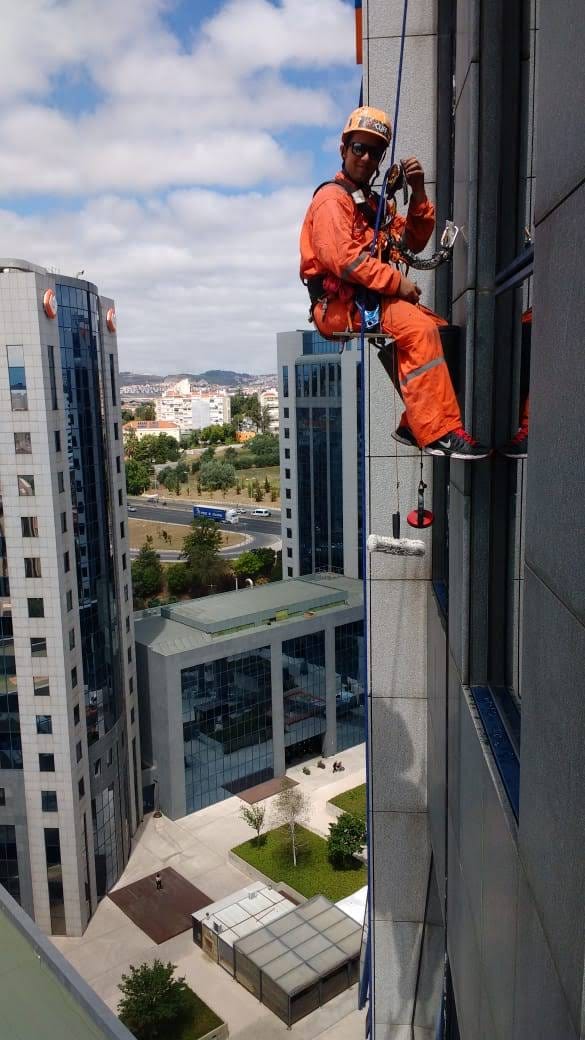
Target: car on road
[(131, 509), (242, 512), (261, 512)]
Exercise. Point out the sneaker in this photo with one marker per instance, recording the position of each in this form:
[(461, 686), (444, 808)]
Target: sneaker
[(458, 444), (517, 448), (404, 435)]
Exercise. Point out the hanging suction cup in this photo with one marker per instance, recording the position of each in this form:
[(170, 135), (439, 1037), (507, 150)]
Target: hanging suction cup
[(420, 518)]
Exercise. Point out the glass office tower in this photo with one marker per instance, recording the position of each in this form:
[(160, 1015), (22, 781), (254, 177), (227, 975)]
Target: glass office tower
[(69, 743)]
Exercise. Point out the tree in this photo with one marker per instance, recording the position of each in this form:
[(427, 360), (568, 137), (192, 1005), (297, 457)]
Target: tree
[(201, 550), (265, 418), (127, 415), (247, 566), (166, 448), (347, 836), (254, 816), (147, 572), (179, 579), (291, 809), (215, 474), (152, 999), (146, 411), (137, 477), (230, 455), (265, 449)]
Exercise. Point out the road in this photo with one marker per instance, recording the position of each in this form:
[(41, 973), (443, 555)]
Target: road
[(260, 532)]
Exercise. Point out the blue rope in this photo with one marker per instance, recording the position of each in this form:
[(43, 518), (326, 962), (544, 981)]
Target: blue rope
[(399, 83)]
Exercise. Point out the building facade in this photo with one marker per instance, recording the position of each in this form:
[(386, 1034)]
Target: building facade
[(476, 652), (151, 428), (320, 399), (70, 741), (269, 400), (236, 687), (193, 411)]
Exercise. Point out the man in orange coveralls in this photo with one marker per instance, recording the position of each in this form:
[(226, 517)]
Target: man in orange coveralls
[(335, 264)]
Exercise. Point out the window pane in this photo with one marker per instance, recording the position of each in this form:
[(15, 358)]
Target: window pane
[(17, 379), (38, 647), (49, 801), (36, 607), (30, 526), (32, 567), (44, 724), (22, 444), (26, 484), (41, 686), (47, 763)]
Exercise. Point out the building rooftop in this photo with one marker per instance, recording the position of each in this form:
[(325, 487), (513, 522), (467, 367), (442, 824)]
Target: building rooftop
[(244, 912), (195, 623), (41, 995)]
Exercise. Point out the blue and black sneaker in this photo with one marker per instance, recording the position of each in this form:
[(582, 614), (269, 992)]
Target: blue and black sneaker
[(458, 444)]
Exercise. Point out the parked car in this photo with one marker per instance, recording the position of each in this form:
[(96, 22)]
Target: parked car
[(261, 512), (131, 509)]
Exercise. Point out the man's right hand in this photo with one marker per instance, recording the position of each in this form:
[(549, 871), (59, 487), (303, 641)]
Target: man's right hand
[(408, 290)]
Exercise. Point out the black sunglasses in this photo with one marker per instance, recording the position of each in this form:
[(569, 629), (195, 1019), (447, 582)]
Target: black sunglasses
[(359, 149)]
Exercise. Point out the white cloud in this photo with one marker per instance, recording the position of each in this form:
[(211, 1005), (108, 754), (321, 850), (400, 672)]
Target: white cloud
[(199, 279), (158, 126)]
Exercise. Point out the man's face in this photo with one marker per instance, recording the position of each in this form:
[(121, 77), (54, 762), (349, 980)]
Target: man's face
[(361, 168)]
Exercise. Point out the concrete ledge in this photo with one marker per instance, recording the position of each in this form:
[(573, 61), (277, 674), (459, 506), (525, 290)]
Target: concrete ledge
[(333, 810), (219, 1033)]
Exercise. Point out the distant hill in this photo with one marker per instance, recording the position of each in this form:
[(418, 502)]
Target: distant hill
[(219, 376)]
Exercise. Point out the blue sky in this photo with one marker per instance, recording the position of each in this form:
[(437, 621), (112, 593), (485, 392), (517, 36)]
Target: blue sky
[(170, 149)]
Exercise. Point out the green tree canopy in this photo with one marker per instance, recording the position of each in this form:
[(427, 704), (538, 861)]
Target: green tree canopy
[(347, 836), (255, 563), (215, 474), (201, 551), (153, 448), (137, 477), (264, 447), (145, 411), (127, 415), (152, 999), (179, 579), (147, 572)]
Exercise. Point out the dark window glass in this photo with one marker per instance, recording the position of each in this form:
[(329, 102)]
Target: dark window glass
[(349, 684), (287, 493), (22, 444), (124, 562), (288, 514), (71, 638), (287, 453), (38, 646), (113, 378), (73, 678), (69, 600), (17, 379), (52, 380), (125, 593), (41, 686), (289, 552), (285, 413), (2, 796), (44, 724), (61, 481), (122, 529), (97, 767), (299, 380), (36, 607), (63, 523), (120, 499), (9, 876), (66, 564), (47, 763), (285, 380), (116, 432), (78, 751), (30, 526), (127, 624), (26, 485), (286, 433), (32, 567), (49, 801), (289, 532), (81, 787), (76, 715), (287, 474), (10, 740), (55, 881), (118, 466), (303, 681), (227, 726), (57, 440), (132, 716), (290, 572), (131, 685)]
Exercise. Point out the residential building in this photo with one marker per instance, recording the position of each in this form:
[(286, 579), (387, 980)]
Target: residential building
[(269, 400), (193, 411), (319, 397), (476, 651), (70, 743), (151, 427), (237, 686)]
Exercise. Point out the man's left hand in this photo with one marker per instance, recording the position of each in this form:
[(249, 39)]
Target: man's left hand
[(415, 177)]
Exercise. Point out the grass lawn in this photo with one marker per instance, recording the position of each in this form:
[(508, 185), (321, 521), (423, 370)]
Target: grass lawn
[(229, 497), (200, 1021), (140, 529), (313, 874), (352, 801)]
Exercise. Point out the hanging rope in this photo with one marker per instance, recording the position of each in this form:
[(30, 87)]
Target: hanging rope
[(399, 82)]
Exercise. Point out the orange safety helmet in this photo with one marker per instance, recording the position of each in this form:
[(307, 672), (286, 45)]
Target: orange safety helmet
[(372, 121)]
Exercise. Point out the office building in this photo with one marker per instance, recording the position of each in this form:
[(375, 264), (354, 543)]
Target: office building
[(70, 749), (476, 652), (235, 687), (319, 455)]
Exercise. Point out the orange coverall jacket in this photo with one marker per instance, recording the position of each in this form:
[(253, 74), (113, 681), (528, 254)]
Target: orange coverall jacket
[(336, 240)]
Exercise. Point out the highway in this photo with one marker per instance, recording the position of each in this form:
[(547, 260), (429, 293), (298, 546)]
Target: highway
[(260, 532)]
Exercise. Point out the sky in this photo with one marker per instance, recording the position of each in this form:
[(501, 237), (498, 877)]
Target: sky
[(169, 149)]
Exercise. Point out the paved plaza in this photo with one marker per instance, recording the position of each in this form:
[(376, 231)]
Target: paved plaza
[(197, 847)]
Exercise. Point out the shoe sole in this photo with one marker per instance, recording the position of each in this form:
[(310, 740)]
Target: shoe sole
[(404, 440), (457, 455), (514, 455)]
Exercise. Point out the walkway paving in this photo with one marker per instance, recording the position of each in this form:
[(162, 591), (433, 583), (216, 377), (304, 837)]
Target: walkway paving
[(197, 847)]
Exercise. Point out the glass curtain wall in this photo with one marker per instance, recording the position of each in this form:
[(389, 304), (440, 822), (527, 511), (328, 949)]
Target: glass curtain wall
[(227, 726), (319, 466), (9, 876), (349, 684), (303, 684)]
